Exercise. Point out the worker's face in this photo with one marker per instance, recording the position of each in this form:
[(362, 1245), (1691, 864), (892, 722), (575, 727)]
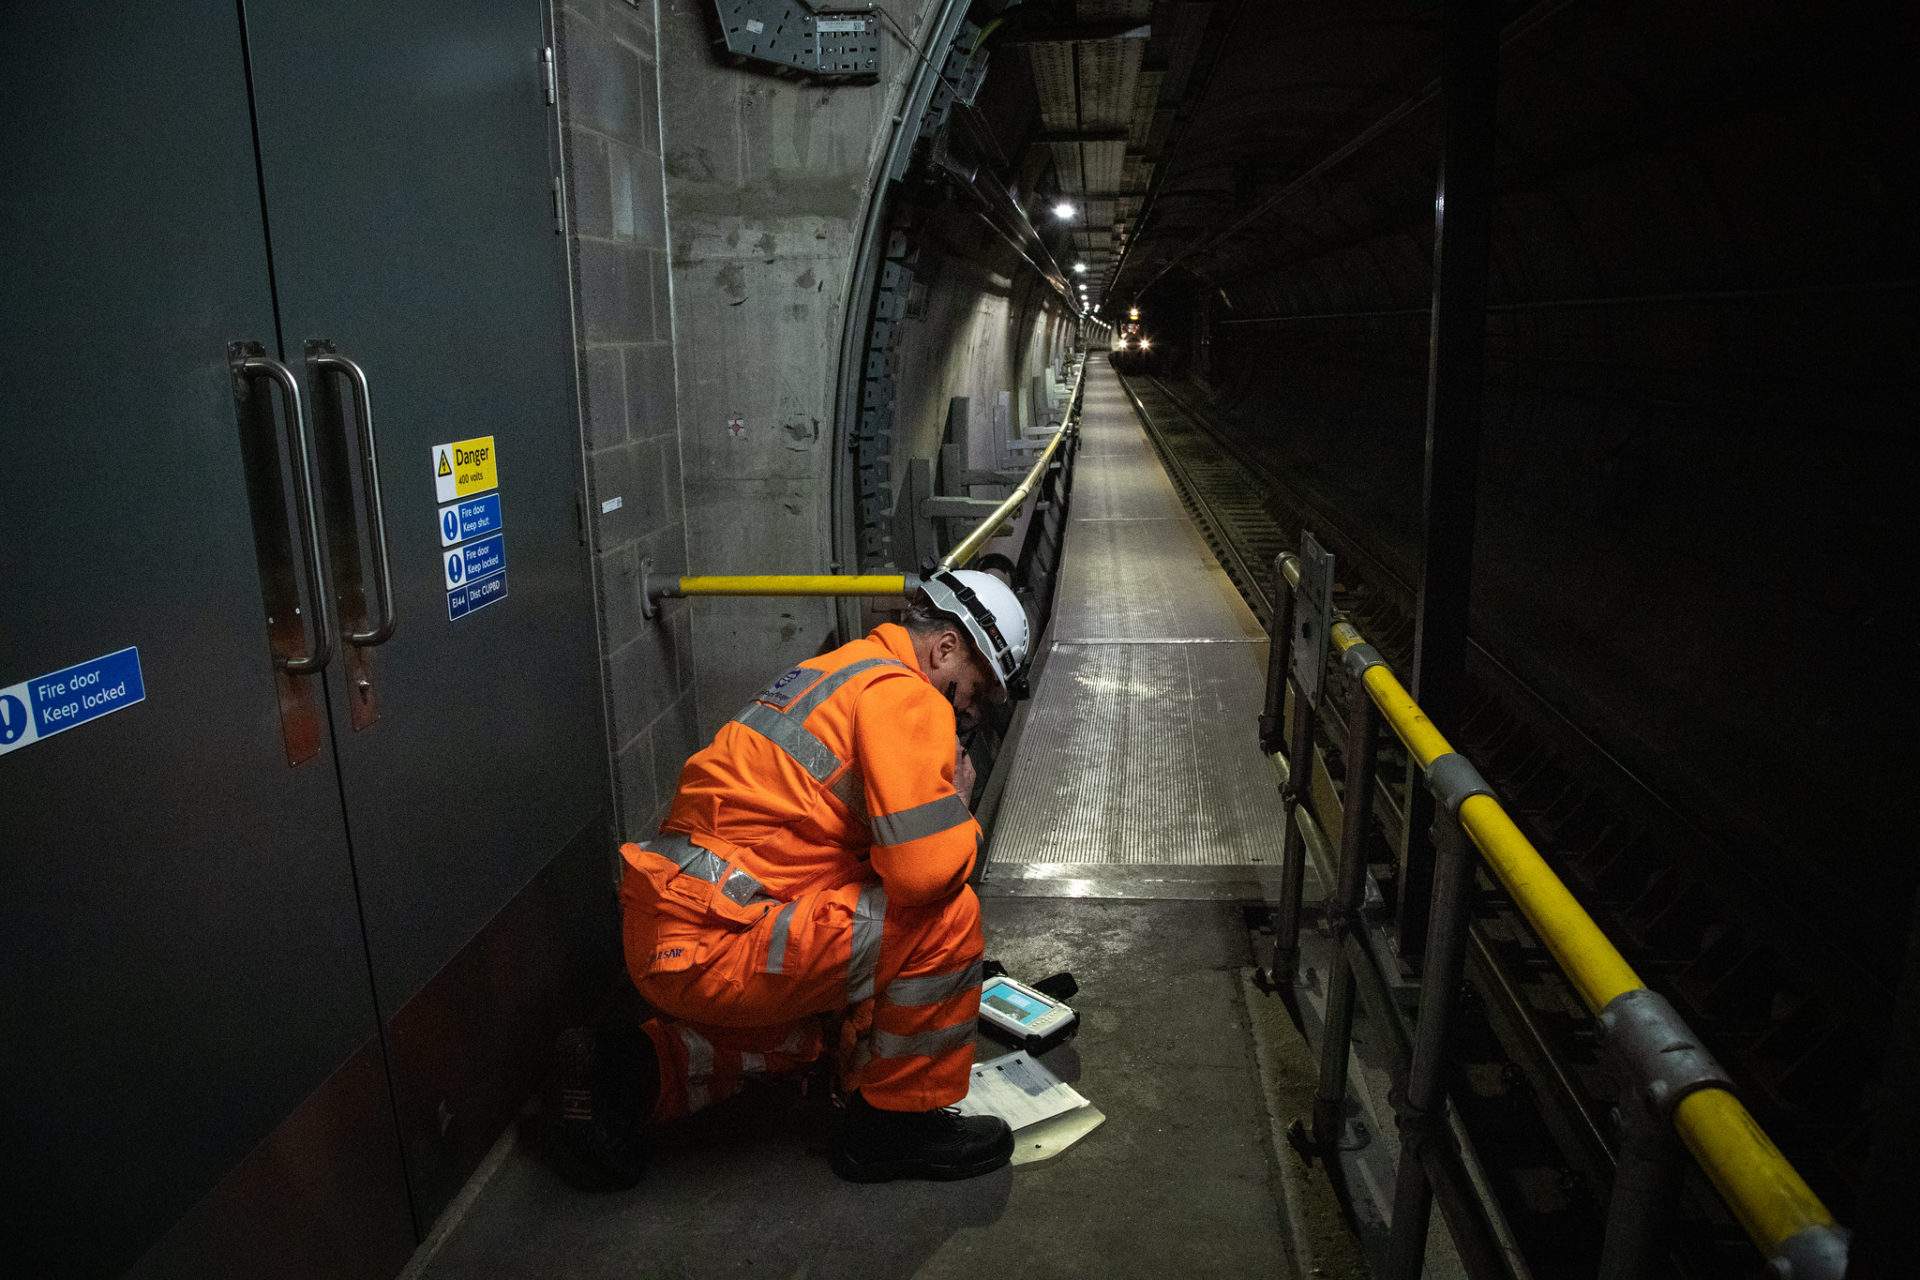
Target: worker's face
[(963, 678)]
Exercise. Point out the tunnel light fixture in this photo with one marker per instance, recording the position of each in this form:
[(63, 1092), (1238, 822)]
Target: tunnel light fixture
[(1063, 210), (1079, 268)]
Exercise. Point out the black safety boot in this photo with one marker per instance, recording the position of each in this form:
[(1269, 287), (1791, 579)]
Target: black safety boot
[(877, 1146), (599, 1094)]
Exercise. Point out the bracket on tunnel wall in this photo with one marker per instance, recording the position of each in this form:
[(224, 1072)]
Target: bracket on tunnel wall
[(921, 510), (842, 47)]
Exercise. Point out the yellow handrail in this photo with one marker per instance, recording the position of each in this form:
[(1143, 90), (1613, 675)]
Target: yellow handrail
[(788, 584), (864, 584), (1771, 1199), (970, 545)]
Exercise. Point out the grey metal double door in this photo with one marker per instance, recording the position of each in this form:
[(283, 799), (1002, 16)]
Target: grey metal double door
[(213, 899)]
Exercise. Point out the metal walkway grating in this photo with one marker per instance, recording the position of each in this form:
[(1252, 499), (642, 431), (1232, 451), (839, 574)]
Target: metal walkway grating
[(1139, 749)]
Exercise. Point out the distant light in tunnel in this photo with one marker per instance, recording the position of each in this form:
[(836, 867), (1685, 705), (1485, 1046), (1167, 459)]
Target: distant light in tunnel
[(1063, 210), (1080, 268)]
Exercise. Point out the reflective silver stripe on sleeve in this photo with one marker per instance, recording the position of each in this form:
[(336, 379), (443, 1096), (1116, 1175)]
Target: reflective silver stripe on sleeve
[(804, 705), (923, 1044), (699, 1066), (744, 889), (677, 848), (705, 865), (928, 819), (869, 917), (787, 733), (777, 946), (934, 987)]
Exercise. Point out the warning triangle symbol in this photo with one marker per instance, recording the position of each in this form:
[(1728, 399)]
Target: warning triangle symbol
[(445, 470)]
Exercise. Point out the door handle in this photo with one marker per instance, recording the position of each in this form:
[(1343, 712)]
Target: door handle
[(322, 360), (250, 363)]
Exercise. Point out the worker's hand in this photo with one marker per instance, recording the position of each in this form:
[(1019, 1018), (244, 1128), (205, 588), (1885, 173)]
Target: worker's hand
[(963, 772)]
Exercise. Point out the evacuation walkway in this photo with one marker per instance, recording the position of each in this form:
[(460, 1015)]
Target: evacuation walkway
[(1139, 771), (1138, 819)]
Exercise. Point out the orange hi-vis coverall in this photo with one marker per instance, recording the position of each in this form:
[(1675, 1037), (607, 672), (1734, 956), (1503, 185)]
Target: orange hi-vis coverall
[(815, 862)]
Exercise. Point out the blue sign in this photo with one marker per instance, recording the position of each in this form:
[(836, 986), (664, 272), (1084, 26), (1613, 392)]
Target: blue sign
[(60, 700), (474, 560), (478, 594), (474, 518)]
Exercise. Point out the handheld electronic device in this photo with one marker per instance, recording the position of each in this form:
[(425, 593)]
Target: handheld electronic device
[(1015, 1012)]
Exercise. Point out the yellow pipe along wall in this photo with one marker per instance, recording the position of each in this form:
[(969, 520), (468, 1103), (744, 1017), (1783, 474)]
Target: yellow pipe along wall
[(792, 584)]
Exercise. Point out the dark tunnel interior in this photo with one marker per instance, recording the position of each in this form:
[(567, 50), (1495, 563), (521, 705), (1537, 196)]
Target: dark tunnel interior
[(1699, 366), (332, 888)]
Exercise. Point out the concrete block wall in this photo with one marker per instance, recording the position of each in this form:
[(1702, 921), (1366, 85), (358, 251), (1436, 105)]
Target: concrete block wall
[(767, 182), (616, 223)]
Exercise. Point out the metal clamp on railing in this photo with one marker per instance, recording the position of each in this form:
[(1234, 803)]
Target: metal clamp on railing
[(1453, 779), (1656, 1051), (1360, 659)]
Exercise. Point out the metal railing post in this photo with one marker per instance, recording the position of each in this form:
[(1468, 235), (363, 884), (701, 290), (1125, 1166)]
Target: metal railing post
[(1344, 914), (1279, 641), (1646, 1185), (1422, 1114), (1660, 1062), (1293, 843)]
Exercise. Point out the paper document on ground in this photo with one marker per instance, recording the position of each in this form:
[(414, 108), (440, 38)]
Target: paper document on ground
[(1019, 1091)]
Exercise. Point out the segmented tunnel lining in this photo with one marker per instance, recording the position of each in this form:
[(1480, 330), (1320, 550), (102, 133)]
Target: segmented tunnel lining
[(1140, 747)]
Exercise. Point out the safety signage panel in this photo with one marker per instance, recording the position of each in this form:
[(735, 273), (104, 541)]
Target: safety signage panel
[(61, 700), (472, 561), (474, 518), (478, 594), (465, 467)]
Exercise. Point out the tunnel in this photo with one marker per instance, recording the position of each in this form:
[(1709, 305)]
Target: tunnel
[(1432, 694)]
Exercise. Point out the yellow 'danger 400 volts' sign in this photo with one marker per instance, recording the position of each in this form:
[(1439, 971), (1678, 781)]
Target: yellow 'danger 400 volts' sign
[(464, 467)]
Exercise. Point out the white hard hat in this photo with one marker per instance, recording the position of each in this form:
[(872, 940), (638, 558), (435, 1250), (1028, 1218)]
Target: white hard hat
[(992, 615)]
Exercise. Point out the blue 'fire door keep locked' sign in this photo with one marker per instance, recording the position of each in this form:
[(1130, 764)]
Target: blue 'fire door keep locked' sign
[(60, 700), (474, 560)]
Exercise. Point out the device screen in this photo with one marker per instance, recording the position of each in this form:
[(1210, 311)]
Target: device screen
[(1017, 1005)]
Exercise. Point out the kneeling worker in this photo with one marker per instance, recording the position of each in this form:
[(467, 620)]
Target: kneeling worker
[(812, 870)]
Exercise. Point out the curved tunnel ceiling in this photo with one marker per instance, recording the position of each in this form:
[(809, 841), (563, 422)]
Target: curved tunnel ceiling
[(1642, 147)]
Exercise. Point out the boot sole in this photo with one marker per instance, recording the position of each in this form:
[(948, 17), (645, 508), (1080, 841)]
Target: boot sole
[(890, 1170)]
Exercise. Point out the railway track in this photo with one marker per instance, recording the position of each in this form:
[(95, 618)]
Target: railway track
[(1781, 1011)]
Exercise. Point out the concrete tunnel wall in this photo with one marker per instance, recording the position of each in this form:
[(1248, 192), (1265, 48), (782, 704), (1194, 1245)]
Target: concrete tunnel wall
[(713, 214)]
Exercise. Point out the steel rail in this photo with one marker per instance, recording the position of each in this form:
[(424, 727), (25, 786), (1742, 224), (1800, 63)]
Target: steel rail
[(1189, 484), (1779, 1211)]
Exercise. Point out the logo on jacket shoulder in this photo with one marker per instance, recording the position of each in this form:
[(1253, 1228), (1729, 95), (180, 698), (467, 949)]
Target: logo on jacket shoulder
[(788, 687), (668, 953)]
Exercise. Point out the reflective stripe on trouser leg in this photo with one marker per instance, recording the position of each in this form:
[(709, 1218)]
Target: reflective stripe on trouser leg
[(701, 1065), (869, 925), (919, 1048)]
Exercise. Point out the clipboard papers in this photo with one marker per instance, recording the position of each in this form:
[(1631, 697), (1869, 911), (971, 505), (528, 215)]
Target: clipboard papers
[(1047, 1115)]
